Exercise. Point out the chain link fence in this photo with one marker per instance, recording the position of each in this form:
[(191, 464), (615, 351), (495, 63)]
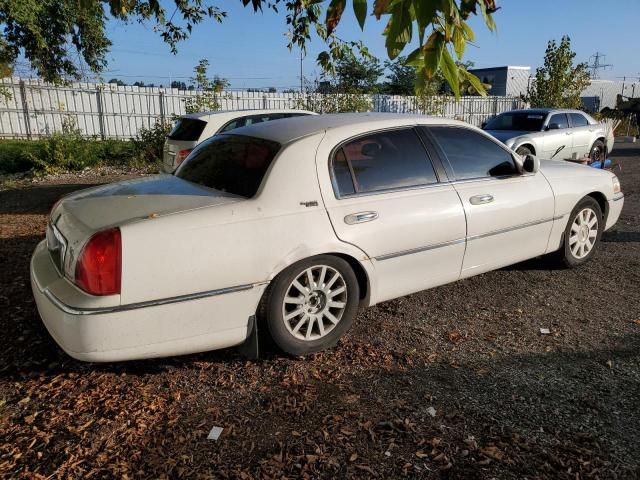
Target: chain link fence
[(36, 109)]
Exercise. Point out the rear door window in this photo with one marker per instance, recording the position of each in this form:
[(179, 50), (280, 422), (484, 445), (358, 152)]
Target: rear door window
[(382, 161), (230, 163), (187, 129), (471, 154)]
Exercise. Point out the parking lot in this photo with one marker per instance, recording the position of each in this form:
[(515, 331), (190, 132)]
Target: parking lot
[(454, 382)]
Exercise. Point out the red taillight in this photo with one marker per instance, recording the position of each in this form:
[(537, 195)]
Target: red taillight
[(181, 155), (100, 263)]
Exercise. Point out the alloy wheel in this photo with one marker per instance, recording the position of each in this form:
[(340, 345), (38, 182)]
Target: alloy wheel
[(584, 232), (314, 303)]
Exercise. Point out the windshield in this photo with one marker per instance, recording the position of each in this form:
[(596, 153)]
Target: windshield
[(187, 129), (521, 121), (230, 163)]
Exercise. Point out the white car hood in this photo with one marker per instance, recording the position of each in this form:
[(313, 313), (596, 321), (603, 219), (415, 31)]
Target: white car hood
[(504, 135)]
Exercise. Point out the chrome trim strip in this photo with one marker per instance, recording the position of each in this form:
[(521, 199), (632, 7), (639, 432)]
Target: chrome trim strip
[(133, 306), (510, 229), (618, 196), (419, 249), (462, 240)]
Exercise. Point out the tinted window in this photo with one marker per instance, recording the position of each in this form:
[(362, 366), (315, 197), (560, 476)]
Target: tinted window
[(382, 161), (472, 155), (230, 163), (519, 121), (560, 119), (188, 129), (578, 120), (237, 123)]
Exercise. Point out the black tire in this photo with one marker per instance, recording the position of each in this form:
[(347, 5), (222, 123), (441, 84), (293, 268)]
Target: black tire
[(566, 253), (274, 306), (524, 151), (597, 152)]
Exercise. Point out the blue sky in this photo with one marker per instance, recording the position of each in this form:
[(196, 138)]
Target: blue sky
[(250, 49)]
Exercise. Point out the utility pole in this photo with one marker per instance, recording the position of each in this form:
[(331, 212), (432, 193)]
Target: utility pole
[(301, 76), (597, 64)]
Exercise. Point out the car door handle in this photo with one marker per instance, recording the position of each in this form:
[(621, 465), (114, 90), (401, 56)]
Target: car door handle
[(360, 217), (568, 133), (481, 199)]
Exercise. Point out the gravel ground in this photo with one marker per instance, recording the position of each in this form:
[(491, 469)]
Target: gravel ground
[(454, 382)]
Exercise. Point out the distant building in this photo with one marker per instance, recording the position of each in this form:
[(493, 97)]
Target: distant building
[(510, 81), (515, 81)]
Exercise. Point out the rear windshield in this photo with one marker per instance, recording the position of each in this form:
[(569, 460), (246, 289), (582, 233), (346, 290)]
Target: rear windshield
[(521, 121), (188, 129), (230, 163)]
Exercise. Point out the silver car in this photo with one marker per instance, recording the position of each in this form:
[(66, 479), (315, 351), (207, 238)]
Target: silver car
[(551, 133)]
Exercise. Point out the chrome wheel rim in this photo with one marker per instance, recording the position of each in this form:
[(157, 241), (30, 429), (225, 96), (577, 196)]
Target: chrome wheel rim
[(595, 154), (314, 303), (584, 232)]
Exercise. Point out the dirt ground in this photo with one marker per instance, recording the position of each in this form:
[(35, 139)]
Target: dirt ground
[(454, 382)]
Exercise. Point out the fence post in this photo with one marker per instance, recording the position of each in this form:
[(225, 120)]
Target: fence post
[(25, 109), (100, 113), (264, 102), (161, 99)]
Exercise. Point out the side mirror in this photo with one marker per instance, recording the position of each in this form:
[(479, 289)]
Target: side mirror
[(484, 124), (531, 164), (553, 126)]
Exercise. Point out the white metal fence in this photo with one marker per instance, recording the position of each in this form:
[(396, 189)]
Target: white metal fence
[(37, 109)]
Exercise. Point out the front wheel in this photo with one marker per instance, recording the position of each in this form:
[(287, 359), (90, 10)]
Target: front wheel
[(597, 152), (524, 151), (582, 234), (311, 304)]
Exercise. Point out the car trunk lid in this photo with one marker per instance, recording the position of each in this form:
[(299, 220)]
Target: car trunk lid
[(79, 215)]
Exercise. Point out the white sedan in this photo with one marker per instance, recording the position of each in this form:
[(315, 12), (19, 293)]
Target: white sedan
[(298, 223)]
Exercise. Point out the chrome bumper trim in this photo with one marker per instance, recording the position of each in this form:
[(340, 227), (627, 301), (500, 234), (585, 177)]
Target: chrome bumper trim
[(133, 306)]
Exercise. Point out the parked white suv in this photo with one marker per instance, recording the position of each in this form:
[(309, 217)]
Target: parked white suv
[(192, 129)]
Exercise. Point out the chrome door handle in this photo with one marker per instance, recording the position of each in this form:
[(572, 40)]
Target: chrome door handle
[(568, 133), (481, 199), (360, 217)]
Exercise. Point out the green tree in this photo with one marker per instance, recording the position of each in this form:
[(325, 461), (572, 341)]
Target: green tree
[(117, 81), (401, 78), (358, 74), (178, 85), (52, 34), (208, 90), (559, 82)]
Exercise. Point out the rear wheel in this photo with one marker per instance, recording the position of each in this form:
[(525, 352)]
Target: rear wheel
[(582, 234), (311, 304)]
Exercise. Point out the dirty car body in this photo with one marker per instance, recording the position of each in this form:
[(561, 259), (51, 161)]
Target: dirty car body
[(368, 207), (543, 132)]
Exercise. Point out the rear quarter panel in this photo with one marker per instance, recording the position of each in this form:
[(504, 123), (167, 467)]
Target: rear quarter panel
[(244, 243)]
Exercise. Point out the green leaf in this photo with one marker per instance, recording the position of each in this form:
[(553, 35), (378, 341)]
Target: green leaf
[(415, 58), (334, 14), (450, 72), (424, 12), (459, 42), (398, 30), (468, 33), (360, 9), (433, 53), (475, 82)]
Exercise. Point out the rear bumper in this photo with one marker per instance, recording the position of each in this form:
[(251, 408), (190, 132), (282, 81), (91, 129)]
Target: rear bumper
[(615, 207), (179, 326)]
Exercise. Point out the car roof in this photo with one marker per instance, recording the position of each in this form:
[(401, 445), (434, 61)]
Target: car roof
[(290, 129), (224, 115), (546, 110)]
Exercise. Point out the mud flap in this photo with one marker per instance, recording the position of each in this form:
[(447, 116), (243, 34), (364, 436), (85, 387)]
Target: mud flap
[(249, 348)]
